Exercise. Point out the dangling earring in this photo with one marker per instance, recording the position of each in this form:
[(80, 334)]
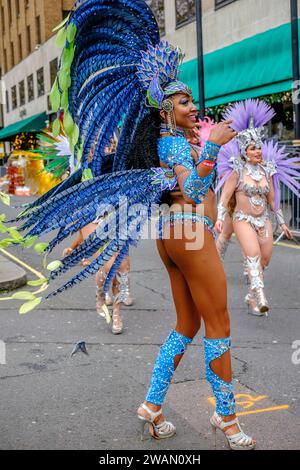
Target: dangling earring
[(171, 122), (168, 107)]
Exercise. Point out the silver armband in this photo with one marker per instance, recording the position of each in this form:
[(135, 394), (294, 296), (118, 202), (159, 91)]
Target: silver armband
[(279, 217), (221, 211)]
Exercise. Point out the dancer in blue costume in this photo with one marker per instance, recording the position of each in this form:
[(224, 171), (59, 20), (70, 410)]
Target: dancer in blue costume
[(120, 71)]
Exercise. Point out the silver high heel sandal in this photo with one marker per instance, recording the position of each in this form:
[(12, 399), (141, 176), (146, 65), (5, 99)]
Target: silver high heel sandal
[(100, 296), (262, 302), (253, 308), (157, 431), (118, 300), (117, 323), (238, 441), (125, 294), (101, 306)]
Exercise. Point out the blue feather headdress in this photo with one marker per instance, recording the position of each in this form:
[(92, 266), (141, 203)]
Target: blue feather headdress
[(158, 73), (112, 69), (112, 59)]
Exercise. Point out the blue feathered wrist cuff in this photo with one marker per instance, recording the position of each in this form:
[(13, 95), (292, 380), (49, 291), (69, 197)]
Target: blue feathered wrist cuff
[(195, 187), (209, 152)]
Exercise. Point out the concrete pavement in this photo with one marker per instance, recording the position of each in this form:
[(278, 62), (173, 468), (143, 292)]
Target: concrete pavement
[(51, 401), (11, 275)]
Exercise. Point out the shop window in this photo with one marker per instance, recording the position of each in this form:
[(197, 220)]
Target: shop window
[(7, 101), (9, 11), (14, 100), (20, 46), (22, 92), (185, 11), (2, 20), (53, 70), (38, 30), (28, 39), (158, 8), (12, 53), (18, 8), (40, 82), (5, 61), (30, 88)]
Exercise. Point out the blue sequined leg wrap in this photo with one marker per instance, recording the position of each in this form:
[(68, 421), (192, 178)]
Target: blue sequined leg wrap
[(223, 391), (163, 371)]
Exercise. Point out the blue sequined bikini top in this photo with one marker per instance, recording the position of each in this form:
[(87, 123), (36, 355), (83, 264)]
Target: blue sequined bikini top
[(175, 151)]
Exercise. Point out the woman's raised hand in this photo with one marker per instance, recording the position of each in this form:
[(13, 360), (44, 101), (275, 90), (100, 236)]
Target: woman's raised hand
[(222, 133)]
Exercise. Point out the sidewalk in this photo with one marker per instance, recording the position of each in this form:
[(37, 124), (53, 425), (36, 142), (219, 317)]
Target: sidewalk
[(11, 275)]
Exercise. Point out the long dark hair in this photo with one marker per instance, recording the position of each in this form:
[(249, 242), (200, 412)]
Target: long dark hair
[(144, 153)]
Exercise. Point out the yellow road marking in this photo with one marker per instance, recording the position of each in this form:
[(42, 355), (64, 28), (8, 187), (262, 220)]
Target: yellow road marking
[(264, 410), (251, 402), (296, 247), (29, 268)]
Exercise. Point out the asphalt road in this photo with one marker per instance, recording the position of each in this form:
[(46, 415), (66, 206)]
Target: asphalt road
[(49, 400)]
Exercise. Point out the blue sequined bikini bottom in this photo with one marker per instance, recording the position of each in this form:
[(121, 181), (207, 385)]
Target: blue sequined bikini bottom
[(182, 218)]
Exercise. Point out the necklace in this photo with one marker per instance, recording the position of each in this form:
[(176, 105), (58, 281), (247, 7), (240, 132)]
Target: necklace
[(254, 171), (178, 132)]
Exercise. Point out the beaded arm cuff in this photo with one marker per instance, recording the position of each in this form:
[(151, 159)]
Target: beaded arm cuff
[(195, 187), (279, 217), (177, 151), (222, 211), (210, 152)]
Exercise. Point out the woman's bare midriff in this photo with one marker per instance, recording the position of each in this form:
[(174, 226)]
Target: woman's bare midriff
[(243, 200), (243, 204), (209, 204)]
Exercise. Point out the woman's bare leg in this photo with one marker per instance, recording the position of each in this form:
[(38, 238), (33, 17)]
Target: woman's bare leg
[(247, 238), (188, 318), (204, 275), (266, 245), (250, 243), (224, 237)]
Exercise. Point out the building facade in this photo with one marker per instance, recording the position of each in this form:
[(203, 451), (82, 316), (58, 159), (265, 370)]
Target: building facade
[(28, 56), (247, 49)]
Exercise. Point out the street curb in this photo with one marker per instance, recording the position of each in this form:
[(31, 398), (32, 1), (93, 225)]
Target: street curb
[(11, 275)]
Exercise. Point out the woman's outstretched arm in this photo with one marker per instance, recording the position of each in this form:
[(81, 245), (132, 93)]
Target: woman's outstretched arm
[(227, 192), (277, 212)]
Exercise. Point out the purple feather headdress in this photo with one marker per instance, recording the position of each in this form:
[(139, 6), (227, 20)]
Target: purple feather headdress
[(248, 118), (282, 169)]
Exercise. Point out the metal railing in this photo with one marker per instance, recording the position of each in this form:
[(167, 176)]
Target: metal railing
[(290, 203)]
